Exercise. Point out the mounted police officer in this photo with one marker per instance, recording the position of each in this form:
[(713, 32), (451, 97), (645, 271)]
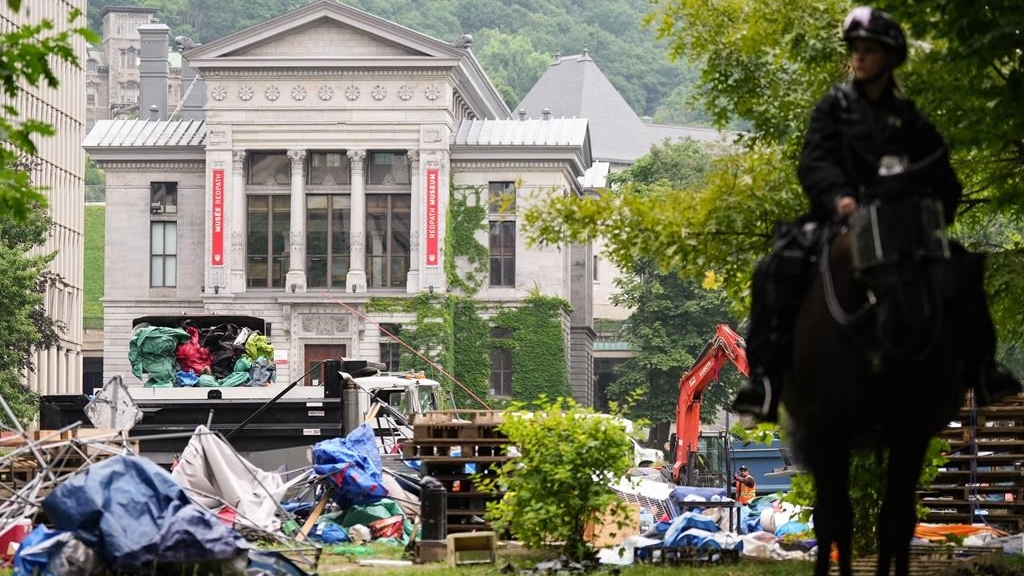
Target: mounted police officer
[(854, 130)]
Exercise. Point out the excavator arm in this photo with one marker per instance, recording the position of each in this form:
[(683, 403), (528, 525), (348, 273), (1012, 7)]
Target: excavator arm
[(726, 346)]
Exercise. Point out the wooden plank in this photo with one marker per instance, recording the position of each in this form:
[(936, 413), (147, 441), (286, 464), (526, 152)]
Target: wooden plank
[(317, 511)]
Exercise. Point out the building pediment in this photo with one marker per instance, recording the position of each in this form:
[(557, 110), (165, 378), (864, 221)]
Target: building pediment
[(324, 34)]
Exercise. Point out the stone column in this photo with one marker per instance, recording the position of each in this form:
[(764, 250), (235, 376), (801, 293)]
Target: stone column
[(412, 284), (355, 281), (237, 211), (297, 234)]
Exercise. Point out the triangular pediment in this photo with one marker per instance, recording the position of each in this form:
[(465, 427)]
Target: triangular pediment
[(329, 38), (324, 30)]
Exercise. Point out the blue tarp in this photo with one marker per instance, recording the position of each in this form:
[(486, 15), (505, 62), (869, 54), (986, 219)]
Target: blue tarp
[(685, 522), (133, 513), (354, 466)]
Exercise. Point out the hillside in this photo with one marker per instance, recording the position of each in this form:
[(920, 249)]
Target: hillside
[(95, 231), (514, 40)]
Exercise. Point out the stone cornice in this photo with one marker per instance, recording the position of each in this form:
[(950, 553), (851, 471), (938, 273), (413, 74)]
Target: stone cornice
[(503, 164), (296, 71), (151, 165)]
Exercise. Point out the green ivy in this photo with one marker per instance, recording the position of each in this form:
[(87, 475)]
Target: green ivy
[(451, 330), (538, 347), (467, 215)]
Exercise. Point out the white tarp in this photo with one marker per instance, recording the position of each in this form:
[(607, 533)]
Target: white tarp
[(214, 475)]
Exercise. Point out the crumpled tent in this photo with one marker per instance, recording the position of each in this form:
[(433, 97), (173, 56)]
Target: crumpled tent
[(215, 476), (151, 350), (134, 514), (353, 465)]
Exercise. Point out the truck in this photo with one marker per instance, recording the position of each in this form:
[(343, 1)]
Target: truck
[(271, 426)]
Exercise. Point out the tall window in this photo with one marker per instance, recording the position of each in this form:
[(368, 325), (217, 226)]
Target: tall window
[(501, 207), (268, 222), (163, 254), (129, 58), (387, 240), (387, 168), (328, 169), (269, 169), (501, 363), (130, 92), (90, 93), (390, 349), (328, 221)]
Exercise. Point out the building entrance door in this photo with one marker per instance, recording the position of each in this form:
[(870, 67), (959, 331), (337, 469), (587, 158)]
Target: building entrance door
[(314, 353)]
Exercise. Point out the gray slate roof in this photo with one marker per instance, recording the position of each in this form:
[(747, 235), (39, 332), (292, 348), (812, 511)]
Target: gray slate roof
[(146, 133), (533, 132), (574, 87)]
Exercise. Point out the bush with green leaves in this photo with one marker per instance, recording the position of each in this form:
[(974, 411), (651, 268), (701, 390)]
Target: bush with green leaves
[(560, 478)]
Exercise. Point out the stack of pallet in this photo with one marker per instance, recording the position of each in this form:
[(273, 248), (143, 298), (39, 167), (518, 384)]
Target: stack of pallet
[(458, 448), (983, 481)]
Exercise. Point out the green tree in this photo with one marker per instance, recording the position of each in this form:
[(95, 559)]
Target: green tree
[(672, 321), (95, 182), (24, 325), (672, 318), (29, 56), (560, 479)]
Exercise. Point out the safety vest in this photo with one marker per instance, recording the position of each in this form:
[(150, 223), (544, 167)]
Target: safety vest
[(744, 493)]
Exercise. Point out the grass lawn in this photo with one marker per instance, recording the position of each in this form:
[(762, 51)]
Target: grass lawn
[(95, 227)]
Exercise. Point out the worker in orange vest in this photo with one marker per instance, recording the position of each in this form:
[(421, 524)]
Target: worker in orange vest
[(745, 486)]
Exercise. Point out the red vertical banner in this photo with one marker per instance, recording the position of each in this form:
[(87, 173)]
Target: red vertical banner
[(217, 219), (432, 216)]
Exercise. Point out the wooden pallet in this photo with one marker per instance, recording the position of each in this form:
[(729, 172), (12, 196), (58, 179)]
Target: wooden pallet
[(451, 443), (983, 479)]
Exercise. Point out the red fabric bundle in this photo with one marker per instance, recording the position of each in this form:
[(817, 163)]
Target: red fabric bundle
[(192, 356)]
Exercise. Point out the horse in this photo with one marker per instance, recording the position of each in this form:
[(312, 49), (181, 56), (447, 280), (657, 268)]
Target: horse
[(873, 366)]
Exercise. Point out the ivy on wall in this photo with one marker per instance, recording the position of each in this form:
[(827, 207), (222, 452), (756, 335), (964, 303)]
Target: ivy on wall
[(467, 215), (451, 330), (539, 356)]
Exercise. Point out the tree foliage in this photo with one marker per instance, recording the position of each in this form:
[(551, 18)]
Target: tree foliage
[(765, 64), (24, 324), (560, 479)]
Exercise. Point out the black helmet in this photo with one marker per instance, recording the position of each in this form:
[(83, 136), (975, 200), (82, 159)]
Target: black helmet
[(866, 22), (742, 468)]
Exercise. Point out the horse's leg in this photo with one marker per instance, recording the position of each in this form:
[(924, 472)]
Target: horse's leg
[(897, 517), (833, 515)]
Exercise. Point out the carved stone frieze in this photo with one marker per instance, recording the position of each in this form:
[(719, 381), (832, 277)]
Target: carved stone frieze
[(436, 73), (324, 324)]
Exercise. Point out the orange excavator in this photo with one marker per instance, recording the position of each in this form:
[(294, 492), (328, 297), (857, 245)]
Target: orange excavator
[(726, 346)]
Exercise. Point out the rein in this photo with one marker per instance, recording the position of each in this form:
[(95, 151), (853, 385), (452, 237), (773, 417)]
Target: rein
[(835, 309)]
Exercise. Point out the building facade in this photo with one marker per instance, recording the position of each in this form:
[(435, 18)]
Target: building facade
[(319, 179), (58, 169), (114, 68)]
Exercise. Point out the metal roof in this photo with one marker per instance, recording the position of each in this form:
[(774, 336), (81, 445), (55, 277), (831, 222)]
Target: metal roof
[(528, 132), (146, 133)]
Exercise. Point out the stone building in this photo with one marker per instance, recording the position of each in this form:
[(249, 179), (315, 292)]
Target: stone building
[(113, 69), (58, 169), (318, 179)]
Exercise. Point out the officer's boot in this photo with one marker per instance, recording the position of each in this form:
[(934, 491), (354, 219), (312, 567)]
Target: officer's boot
[(759, 395), (976, 339)]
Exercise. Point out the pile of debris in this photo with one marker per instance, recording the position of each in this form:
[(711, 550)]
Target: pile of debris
[(81, 501), (202, 353)]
